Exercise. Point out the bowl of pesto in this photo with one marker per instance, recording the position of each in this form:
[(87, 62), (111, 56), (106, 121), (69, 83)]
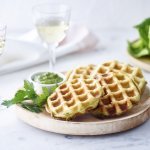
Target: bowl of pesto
[(46, 79)]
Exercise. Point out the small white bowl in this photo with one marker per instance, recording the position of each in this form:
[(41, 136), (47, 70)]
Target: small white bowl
[(38, 86)]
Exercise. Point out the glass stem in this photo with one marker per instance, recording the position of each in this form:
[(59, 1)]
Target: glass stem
[(52, 56)]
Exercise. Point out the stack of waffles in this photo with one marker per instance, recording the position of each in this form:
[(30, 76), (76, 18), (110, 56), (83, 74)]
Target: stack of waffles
[(110, 89)]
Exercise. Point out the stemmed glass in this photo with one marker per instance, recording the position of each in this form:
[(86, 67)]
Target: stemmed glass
[(52, 22), (2, 45), (2, 38)]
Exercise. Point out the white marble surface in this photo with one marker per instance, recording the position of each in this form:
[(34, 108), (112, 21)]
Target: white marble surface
[(16, 135)]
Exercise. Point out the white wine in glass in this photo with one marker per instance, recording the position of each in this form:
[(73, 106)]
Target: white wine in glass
[(2, 38), (52, 31), (2, 45), (52, 23)]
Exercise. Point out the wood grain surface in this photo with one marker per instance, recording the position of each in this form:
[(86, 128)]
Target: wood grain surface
[(88, 124)]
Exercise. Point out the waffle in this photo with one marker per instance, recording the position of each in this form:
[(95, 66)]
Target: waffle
[(80, 72), (74, 97), (120, 94), (133, 72)]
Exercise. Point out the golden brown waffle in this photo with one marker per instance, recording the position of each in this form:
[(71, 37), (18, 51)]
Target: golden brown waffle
[(74, 97), (80, 72), (134, 73), (120, 94)]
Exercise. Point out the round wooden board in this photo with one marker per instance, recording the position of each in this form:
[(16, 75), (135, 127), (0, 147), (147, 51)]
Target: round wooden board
[(143, 63), (88, 124)]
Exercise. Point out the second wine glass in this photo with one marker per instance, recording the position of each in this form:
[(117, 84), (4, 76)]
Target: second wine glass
[(52, 23), (2, 37)]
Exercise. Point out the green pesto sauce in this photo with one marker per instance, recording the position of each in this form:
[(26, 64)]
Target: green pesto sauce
[(48, 78)]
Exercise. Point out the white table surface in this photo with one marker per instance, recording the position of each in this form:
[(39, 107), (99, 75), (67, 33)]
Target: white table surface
[(16, 135)]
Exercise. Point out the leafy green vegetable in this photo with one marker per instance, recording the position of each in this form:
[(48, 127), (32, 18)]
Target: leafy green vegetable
[(28, 93), (53, 88), (143, 29), (40, 99), (19, 96), (29, 88), (137, 49), (141, 46), (31, 107)]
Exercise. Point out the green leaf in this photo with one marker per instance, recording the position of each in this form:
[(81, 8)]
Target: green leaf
[(19, 97), (149, 39), (45, 92), (7, 103), (41, 99), (30, 92), (141, 47), (137, 50), (143, 29), (52, 89), (26, 93), (31, 107)]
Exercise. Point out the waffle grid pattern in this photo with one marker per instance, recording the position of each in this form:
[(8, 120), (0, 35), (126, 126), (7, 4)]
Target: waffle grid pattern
[(73, 98), (81, 72), (109, 89), (120, 94), (133, 72)]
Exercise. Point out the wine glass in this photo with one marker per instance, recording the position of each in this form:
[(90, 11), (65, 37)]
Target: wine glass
[(52, 23), (2, 37), (2, 45)]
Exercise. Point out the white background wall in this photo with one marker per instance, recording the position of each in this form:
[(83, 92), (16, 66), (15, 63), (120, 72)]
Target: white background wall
[(95, 13)]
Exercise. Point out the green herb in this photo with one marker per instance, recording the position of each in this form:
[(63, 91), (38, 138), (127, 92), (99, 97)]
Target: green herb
[(141, 46), (28, 93), (48, 78), (31, 107), (19, 96)]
